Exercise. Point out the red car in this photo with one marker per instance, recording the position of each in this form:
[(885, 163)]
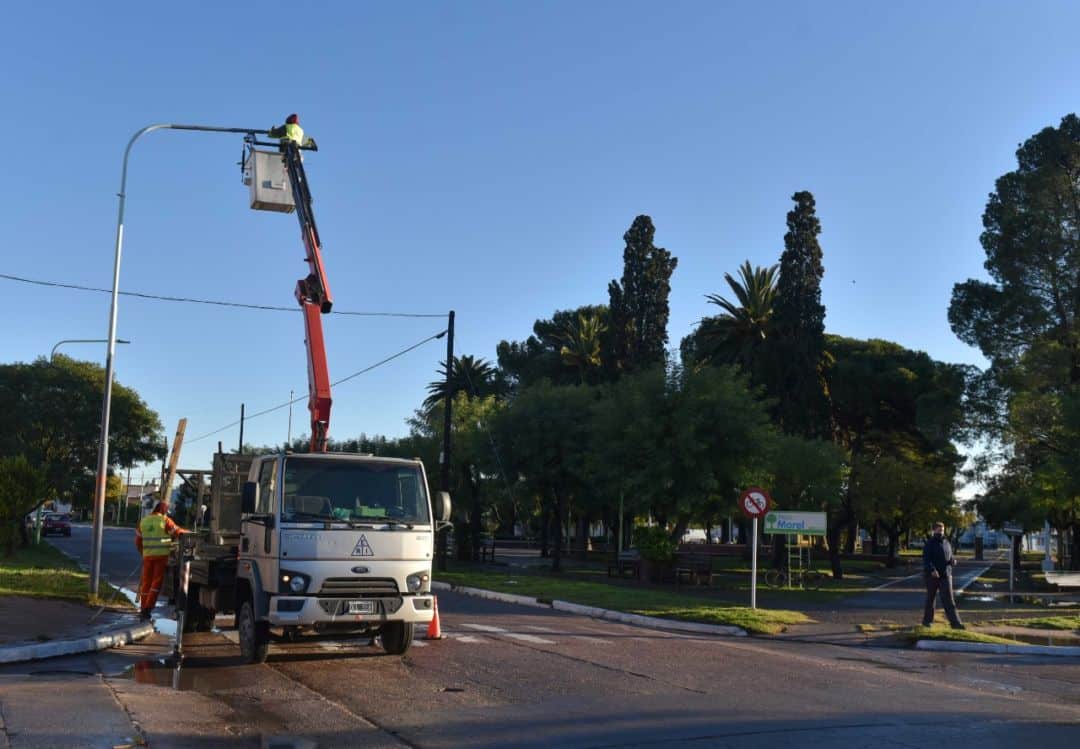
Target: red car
[(56, 522)]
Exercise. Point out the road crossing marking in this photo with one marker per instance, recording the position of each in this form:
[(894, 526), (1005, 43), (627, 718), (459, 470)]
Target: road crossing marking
[(534, 628), (513, 635), (483, 627)]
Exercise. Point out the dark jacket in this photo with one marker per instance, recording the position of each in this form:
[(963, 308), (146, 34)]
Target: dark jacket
[(937, 555)]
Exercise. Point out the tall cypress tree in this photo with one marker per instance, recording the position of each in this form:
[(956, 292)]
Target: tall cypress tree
[(797, 363), (639, 304)]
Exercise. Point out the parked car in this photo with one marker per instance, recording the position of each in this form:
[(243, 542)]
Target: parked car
[(56, 522)]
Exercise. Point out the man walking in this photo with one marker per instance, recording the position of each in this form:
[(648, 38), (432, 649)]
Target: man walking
[(938, 561), (153, 538)]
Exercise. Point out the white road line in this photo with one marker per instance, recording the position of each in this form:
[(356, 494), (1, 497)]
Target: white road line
[(896, 582), (483, 627), (468, 638), (593, 640), (534, 628), (530, 638), (419, 644)]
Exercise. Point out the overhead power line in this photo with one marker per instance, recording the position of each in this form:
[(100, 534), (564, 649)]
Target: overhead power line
[(288, 403), (214, 302)]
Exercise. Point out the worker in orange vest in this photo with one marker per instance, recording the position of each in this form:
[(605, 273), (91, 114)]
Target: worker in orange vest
[(153, 538)]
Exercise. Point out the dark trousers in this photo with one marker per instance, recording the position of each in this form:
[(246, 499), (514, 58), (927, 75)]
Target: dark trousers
[(940, 586)]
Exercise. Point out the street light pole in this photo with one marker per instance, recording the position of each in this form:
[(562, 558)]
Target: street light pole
[(52, 354), (110, 352)]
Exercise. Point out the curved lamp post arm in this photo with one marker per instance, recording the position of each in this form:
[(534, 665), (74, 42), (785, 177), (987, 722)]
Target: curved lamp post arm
[(106, 403)]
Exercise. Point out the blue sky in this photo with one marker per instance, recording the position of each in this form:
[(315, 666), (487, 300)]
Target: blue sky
[(487, 157)]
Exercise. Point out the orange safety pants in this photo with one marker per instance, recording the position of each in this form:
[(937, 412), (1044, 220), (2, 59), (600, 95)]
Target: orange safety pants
[(153, 575)]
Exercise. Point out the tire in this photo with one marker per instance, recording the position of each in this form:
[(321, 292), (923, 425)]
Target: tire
[(774, 578), (813, 580), (397, 637), (254, 635)]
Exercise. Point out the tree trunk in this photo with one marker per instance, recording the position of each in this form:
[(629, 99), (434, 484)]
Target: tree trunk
[(834, 550), (1074, 560), (681, 524), (779, 551), (894, 543), (1017, 554), (556, 559), (708, 532), (475, 518), (852, 534), (545, 525), (582, 537)]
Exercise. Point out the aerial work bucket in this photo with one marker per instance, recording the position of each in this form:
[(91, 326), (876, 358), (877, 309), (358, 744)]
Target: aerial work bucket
[(268, 181)]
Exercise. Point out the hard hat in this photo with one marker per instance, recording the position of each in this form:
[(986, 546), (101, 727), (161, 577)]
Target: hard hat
[(292, 119)]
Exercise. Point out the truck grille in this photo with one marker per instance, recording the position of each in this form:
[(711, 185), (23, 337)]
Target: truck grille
[(359, 586)]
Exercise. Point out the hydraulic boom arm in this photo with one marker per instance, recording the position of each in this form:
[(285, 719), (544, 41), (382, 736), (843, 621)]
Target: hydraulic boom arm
[(313, 293)]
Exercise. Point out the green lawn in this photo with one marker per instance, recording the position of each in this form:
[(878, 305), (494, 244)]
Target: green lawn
[(644, 601), (42, 571), (1043, 622)]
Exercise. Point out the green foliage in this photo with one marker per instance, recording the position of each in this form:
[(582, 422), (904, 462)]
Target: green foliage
[(22, 488), (639, 302), (1026, 321), (654, 543), (737, 335), (52, 416), (475, 377), (797, 364), (540, 357)]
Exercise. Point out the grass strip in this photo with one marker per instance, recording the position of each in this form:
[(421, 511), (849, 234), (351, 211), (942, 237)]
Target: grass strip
[(43, 572), (643, 601), (1067, 623)]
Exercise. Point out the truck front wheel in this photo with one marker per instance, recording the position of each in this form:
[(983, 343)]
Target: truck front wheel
[(396, 637), (254, 635)]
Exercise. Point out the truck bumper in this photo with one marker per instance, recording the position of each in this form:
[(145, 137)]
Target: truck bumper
[(306, 611)]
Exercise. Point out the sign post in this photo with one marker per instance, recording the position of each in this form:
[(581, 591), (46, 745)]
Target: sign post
[(1012, 530), (754, 503)]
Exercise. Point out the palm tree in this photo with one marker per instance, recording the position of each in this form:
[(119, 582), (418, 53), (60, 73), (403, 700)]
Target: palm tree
[(470, 375), (581, 344), (743, 325)]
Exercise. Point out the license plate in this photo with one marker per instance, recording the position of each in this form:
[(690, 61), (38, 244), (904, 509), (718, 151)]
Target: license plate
[(361, 607)]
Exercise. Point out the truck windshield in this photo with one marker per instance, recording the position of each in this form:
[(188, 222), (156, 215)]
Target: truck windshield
[(353, 491)]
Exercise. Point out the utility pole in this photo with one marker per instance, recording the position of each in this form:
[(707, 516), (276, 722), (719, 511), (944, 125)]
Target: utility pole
[(444, 456), (240, 449)]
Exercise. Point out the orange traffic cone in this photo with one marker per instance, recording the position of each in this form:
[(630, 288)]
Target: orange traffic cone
[(434, 631)]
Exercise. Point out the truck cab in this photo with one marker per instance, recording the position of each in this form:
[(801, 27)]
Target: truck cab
[(326, 543)]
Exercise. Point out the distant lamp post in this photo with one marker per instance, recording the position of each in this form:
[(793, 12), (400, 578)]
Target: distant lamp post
[(52, 355)]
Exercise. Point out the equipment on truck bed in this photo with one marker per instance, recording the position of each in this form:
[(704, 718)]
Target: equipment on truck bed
[(278, 183)]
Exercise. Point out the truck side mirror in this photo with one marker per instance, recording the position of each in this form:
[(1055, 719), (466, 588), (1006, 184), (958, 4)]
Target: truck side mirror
[(442, 507), (248, 497)]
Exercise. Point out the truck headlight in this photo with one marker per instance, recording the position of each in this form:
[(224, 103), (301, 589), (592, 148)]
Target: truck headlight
[(292, 582), (416, 581)]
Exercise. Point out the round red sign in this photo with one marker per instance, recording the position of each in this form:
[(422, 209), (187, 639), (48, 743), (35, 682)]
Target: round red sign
[(755, 502)]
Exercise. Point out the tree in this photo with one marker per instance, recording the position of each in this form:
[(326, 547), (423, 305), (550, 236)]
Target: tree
[(472, 376), (798, 360), (1025, 321), (639, 303), (22, 488), (582, 345), (52, 417), (540, 357)]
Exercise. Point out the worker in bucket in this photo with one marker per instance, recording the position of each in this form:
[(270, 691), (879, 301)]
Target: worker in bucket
[(153, 538), (291, 130)]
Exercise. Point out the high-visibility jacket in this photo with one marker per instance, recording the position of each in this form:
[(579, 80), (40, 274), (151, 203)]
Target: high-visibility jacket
[(288, 131), (156, 531)]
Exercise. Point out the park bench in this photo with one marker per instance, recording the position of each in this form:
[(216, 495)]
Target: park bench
[(487, 550), (694, 567), (626, 561)]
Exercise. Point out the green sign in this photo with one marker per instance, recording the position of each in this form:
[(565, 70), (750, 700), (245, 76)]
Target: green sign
[(795, 523)]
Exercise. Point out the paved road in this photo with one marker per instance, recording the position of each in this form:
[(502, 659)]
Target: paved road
[(120, 560), (528, 677)]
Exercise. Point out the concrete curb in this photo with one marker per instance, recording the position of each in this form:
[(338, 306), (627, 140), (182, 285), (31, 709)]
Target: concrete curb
[(1067, 651), (113, 638), (637, 620)]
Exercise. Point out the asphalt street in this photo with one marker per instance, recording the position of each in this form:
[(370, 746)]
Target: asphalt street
[(529, 677), (121, 562)]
